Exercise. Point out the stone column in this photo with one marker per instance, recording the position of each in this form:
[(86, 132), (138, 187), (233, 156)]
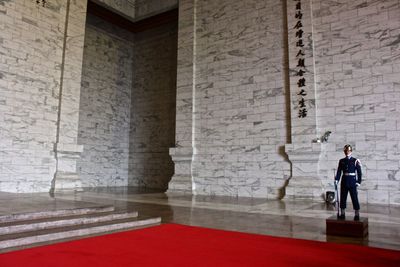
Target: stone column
[(303, 154), (67, 150), (182, 154)]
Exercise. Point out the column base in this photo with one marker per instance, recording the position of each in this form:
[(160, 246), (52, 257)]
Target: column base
[(304, 182), (66, 178), (66, 182), (304, 188), (181, 182)]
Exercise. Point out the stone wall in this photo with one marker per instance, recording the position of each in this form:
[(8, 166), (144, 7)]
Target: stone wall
[(126, 7), (234, 118), (105, 105), (357, 59), (138, 9), (239, 111), (145, 8), (31, 47), (233, 110), (153, 107), (127, 109)]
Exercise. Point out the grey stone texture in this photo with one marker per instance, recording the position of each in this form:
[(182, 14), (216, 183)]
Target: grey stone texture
[(152, 125), (145, 8), (239, 108), (31, 50), (138, 9), (105, 105), (127, 109), (67, 150), (357, 54), (232, 125), (237, 130)]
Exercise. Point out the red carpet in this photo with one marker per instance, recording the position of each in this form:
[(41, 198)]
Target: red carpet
[(178, 245)]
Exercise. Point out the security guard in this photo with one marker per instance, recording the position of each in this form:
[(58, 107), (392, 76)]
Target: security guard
[(350, 170)]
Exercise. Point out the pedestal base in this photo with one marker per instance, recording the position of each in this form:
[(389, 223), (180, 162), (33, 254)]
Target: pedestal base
[(347, 227), (180, 184), (65, 182), (305, 181)]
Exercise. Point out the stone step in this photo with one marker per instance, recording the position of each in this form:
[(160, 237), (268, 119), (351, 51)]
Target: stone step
[(63, 221), (77, 231), (54, 213)]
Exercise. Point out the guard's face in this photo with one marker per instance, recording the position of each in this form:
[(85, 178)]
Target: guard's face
[(347, 152)]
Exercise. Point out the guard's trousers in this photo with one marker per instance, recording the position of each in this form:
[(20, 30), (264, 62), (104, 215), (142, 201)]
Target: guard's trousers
[(344, 190)]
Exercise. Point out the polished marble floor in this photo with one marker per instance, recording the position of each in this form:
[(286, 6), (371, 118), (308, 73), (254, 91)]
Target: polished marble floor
[(287, 218)]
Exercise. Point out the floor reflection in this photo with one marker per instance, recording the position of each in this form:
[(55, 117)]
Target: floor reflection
[(297, 219)]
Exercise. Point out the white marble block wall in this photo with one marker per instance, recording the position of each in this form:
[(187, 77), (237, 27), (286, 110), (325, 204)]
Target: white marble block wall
[(237, 106), (152, 126), (357, 59), (105, 105), (232, 97), (31, 43), (240, 109)]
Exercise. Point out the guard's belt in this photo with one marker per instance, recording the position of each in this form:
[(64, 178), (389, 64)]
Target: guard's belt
[(349, 173)]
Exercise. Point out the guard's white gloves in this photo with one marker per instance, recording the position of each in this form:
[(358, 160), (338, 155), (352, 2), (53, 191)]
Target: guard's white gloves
[(357, 184), (336, 182)]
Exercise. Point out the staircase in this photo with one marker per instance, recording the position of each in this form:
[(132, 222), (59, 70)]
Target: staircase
[(34, 228)]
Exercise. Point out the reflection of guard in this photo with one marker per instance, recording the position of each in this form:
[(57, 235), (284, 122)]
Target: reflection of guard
[(349, 170)]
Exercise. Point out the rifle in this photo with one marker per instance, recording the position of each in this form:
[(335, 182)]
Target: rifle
[(337, 195)]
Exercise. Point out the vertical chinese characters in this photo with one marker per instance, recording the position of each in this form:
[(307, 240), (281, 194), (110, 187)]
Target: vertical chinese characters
[(300, 57)]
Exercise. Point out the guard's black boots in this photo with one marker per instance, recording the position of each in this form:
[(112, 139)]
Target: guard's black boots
[(342, 215), (356, 215)]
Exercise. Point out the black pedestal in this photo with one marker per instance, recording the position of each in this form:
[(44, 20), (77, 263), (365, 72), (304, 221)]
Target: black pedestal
[(347, 227)]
